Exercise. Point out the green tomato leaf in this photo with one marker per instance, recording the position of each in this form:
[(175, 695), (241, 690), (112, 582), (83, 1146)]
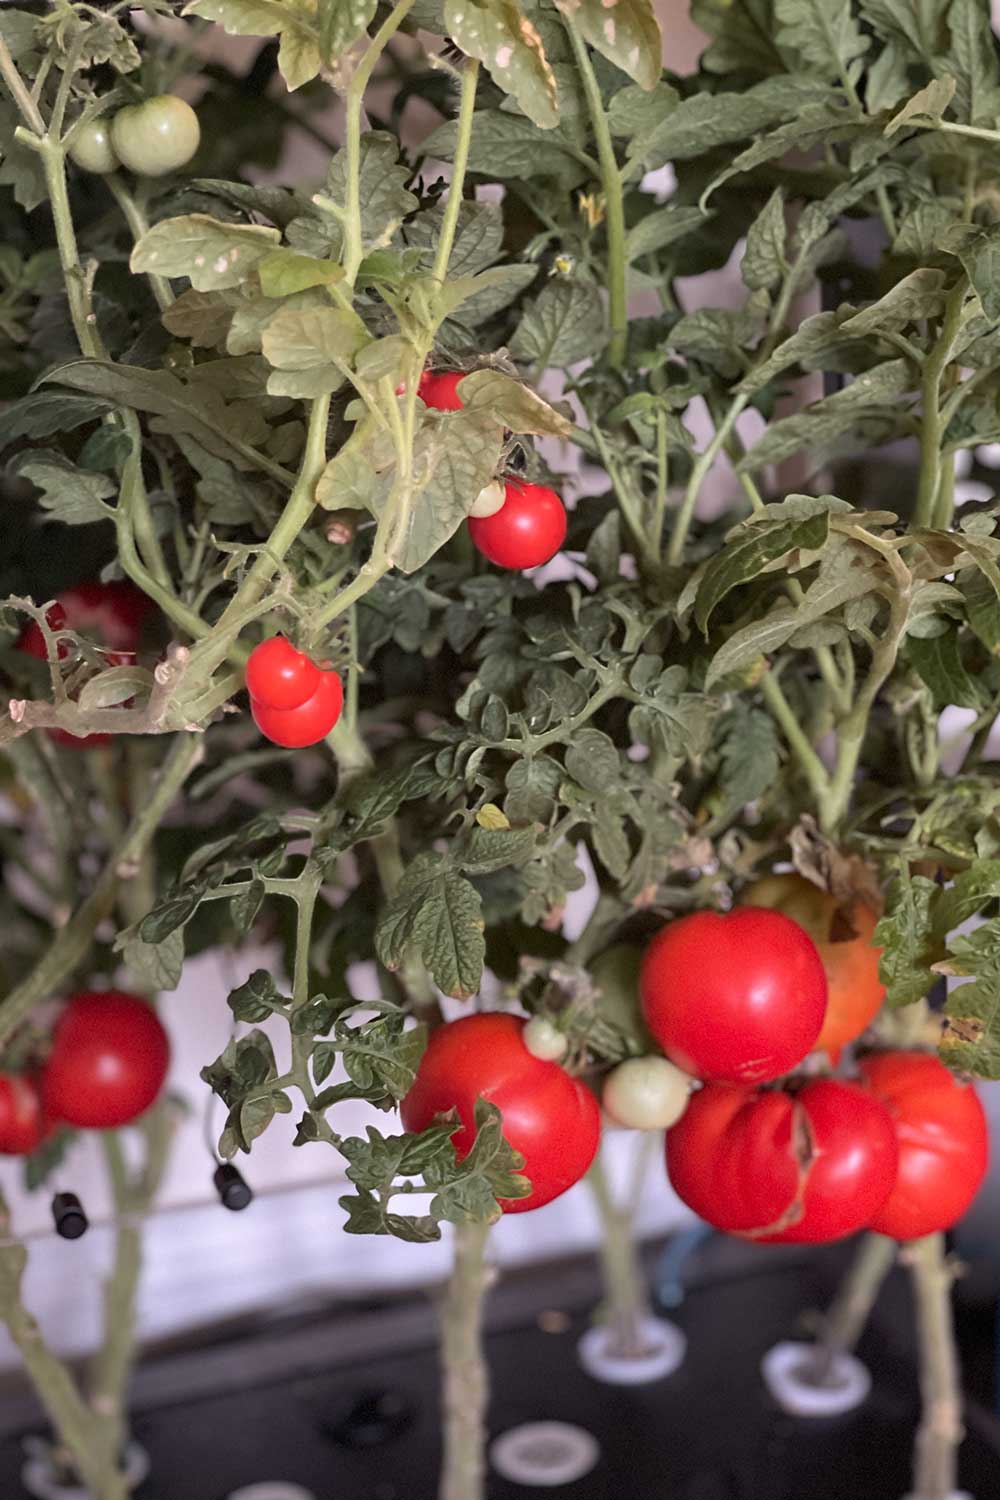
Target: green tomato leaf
[(285, 271), (153, 966), (904, 934), (565, 323), (500, 35), (627, 34), (756, 547), (212, 254), (512, 404), (439, 911)]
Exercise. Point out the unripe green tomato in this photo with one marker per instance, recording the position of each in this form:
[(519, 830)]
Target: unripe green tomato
[(646, 1093), (92, 149), (490, 499), (615, 973), (544, 1040), (157, 136)]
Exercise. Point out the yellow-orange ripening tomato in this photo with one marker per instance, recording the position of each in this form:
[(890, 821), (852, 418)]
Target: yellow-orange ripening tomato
[(844, 938)]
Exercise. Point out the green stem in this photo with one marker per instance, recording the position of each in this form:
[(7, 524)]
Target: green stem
[(353, 242), (70, 1417), (466, 109), (71, 943), (699, 472), (930, 415), (614, 198), (626, 1302), (465, 1375), (845, 1322), (138, 224), (815, 771), (940, 1433)]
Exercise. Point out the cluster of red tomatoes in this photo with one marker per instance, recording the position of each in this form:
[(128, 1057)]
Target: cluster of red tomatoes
[(294, 702), (738, 1001), (514, 524), (106, 1065)]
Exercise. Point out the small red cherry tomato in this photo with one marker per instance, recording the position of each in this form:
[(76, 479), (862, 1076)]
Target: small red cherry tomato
[(23, 1122), (553, 1120), (943, 1142), (108, 1061), (278, 676), (738, 998), (112, 613), (774, 1166), (527, 530), (309, 723), (441, 391)]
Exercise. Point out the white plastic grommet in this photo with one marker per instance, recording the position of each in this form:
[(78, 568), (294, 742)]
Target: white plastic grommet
[(785, 1368), (271, 1489), (665, 1347), (40, 1479), (543, 1454)]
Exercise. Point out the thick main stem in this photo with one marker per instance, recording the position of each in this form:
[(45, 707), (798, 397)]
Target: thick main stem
[(626, 1304), (940, 1432), (931, 427), (65, 1408), (845, 1322), (71, 944), (465, 1392)]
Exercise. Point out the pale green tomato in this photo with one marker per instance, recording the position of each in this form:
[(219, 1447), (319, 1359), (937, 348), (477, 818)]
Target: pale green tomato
[(646, 1093), (490, 499), (156, 137), (544, 1040), (92, 149)]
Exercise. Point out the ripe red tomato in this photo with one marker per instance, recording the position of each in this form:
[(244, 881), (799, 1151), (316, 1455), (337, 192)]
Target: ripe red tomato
[(776, 1166), (943, 1142), (278, 676), (108, 1061), (307, 724), (740, 997), (441, 391), (112, 613), (843, 938), (553, 1120), (527, 530), (23, 1122)]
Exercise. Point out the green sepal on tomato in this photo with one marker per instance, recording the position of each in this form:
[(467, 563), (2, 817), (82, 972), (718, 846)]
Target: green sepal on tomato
[(552, 1119)]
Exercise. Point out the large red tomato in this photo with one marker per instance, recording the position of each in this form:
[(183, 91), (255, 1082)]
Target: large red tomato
[(843, 937), (553, 1120), (739, 998), (23, 1123), (108, 1061), (943, 1142), (441, 391), (112, 614), (776, 1166)]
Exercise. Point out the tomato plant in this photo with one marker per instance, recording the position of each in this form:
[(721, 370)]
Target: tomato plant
[(527, 530), (108, 1060), (801, 1167), (843, 934), (943, 1142), (237, 400), (738, 997), (23, 1121), (549, 1118)]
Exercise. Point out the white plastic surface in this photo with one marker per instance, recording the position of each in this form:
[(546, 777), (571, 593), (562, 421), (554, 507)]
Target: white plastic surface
[(782, 1367), (544, 1454), (666, 1347), (272, 1489), (39, 1480)]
